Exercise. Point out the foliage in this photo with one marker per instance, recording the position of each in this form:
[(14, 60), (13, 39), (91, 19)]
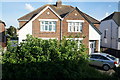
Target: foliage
[(47, 59), (12, 32)]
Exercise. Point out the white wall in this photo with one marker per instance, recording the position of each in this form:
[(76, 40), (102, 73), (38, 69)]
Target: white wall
[(27, 29), (112, 34), (94, 35), (119, 37)]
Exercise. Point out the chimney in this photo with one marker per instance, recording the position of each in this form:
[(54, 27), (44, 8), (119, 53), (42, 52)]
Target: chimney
[(58, 3)]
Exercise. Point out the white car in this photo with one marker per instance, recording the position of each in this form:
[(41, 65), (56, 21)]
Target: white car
[(104, 60)]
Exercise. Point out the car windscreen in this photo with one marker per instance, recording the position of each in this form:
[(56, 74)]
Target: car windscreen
[(111, 57)]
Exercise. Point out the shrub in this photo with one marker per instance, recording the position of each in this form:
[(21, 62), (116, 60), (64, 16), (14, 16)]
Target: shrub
[(47, 59)]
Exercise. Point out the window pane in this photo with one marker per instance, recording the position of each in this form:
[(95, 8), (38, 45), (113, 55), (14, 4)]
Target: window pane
[(42, 22), (50, 22), (42, 27), (77, 28), (80, 28), (77, 23), (46, 22), (70, 23), (70, 28), (54, 27), (50, 27), (46, 27), (54, 22)]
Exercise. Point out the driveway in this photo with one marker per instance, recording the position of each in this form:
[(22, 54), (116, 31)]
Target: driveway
[(109, 72)]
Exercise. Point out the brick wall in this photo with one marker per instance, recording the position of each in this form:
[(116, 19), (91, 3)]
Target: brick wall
[(36, 26), (2, 35), (85, 31), (37, 33)]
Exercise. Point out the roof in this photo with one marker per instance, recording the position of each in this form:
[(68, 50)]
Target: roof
[(2, 22), (115, 16), (62, 11)]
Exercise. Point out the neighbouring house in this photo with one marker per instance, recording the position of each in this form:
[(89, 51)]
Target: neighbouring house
[(110, 28), (56, 21), (2, 34)]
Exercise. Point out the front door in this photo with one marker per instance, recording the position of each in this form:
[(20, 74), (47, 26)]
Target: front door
[(91, 47)]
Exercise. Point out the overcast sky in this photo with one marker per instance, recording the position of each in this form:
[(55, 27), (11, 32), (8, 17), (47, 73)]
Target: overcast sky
[(12, 10)]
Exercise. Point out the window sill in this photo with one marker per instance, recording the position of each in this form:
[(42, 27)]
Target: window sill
[(47, 31)]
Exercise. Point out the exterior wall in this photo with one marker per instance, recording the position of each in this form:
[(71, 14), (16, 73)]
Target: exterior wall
[(94, 36), (36, 26), (111, 40), (119, 38), (2, 35), (27, 29), (85, 31), (21, 23)]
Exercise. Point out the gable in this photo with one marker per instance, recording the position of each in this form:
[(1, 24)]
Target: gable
[(46, 8), (74, 15), (48, 14)]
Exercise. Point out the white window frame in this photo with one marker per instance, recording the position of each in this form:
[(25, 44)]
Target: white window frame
[(76, 39), (74, 27), (48, 20), (44, 38)]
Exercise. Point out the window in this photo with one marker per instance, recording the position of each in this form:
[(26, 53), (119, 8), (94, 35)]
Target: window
[(48, 26), (105, 33), (111, 57), (75, 26), (78, 40), (95, 56), (103, 58)]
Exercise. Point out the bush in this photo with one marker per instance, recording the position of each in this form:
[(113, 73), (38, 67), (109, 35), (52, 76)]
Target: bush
[(47, 59)]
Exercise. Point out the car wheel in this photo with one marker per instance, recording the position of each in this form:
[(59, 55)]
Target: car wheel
[(106, 67)]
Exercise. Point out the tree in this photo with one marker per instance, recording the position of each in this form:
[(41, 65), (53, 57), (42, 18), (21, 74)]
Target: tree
[(12, 32)]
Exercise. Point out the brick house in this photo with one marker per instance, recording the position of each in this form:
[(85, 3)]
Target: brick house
[(56, 21), (2, 34)]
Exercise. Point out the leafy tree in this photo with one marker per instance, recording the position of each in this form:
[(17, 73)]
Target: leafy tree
[(12, 32)]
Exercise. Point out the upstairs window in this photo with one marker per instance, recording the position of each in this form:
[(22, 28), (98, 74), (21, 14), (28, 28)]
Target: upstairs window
[(75, 26), (48, 26)]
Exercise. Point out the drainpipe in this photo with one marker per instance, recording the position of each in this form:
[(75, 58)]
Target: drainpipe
[(61, 29)]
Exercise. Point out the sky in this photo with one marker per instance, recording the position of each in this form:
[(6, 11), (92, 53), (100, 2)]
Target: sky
[(10, 11)]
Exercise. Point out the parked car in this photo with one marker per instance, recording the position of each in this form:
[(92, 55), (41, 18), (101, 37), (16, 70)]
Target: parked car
[(104, 60)]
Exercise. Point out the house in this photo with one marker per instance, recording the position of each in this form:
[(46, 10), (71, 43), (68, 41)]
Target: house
[(110, 28), (2, 34), (56, 21)]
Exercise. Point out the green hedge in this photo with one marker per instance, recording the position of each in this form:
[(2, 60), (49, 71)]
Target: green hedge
[(47, 59)]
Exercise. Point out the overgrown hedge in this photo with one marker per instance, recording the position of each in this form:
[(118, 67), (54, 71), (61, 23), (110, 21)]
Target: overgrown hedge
[(47, 59)]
